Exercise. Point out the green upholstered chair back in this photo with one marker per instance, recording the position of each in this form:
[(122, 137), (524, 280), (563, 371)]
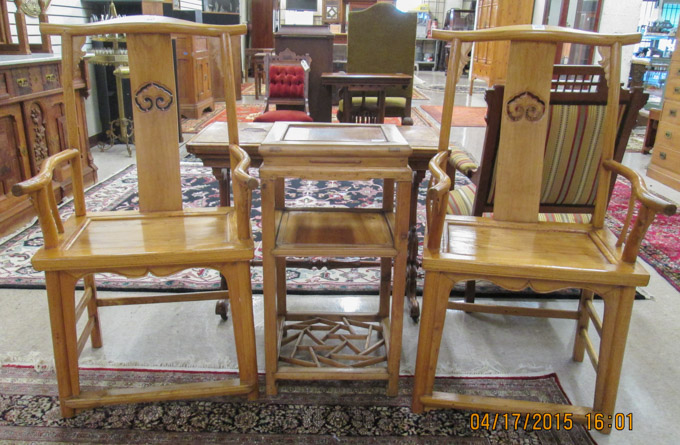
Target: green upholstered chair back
[(382, 39)]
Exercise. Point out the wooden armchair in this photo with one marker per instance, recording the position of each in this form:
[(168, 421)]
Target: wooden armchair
[(578, 99), (287, 81), (161, 237), (382, 40), (515, 250)]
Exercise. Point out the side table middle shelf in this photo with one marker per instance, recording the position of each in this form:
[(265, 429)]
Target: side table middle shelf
[(320, 345)]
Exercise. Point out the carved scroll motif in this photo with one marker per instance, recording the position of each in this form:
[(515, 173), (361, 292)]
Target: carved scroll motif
[(40, 150), (153, 94), (465, 49), (605, 60), (526, 106)]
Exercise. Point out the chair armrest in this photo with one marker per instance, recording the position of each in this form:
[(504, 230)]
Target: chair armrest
[(436, 199), (650, 205), (40, 189), (243, 186), (44, 177), (462, 162)]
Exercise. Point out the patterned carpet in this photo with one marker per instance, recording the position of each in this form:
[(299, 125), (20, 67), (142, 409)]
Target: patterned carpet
[(312, 412), (661, 247)]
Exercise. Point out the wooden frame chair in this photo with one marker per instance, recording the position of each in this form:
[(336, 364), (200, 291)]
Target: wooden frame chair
[(578, 99), (513, 249), (161, 238), (283, 74)]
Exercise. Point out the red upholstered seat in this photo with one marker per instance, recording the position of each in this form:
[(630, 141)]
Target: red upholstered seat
[(286, 81), (286, 88), (284, 116)]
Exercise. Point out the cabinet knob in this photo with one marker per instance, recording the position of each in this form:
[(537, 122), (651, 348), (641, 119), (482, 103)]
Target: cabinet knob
[(662, 155), (669, 134), (676, 90), (50, 77), (673, 112), (22, 82)]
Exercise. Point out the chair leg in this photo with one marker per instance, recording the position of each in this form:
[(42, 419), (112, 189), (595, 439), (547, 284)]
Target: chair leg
[(432, 316), (618, 307), (67, 283), (61, 361), (582, 323), (241, 298), (93, 311)]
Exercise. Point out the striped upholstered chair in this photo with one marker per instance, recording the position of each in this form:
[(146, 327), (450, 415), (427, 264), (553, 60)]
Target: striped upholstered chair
[(577, 106)]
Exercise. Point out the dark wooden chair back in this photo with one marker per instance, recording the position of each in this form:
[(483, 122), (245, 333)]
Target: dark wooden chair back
[(577, 93)]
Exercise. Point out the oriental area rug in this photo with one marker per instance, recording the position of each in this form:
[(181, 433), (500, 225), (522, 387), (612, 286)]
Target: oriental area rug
[(661, 247), (311, 412)]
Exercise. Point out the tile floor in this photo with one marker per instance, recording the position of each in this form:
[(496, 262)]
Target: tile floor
[(188, 335)]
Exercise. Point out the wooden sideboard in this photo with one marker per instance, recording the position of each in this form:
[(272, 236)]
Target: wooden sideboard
[(33, 127), (665, 163)]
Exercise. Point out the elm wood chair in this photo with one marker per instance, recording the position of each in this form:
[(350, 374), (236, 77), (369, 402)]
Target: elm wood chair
[(382, 40), (287, 81), (515, 250), (161, 238), (578, 100)]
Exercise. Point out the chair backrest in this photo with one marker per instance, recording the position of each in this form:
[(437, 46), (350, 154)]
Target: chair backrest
[(525, 122), (382, 39), (573, 147), (287, 79), (154, 96)]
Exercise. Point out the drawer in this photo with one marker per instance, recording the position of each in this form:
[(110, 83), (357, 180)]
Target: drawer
[(667, 136), (666, 158), (672, 89), (671, 112), (50, 77), (21, 80), (674, 70)]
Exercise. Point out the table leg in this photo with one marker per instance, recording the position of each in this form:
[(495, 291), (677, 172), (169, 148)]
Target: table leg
[(223, 183), (412, 261), (269, 285)]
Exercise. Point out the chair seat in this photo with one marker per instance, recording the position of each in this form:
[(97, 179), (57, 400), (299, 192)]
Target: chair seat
[(549, 251), (391, 102), (284, 116), (114, 240)]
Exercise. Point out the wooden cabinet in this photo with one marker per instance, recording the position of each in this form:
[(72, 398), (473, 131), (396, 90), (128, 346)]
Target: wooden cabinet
[(317, 41), (194, 76), (32, 127), (490, 58), (665, 163)]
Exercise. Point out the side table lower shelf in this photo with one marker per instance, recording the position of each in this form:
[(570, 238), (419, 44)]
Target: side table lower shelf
[(318, 346)]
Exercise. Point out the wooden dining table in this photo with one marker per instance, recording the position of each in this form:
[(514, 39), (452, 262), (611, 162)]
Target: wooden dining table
[(210, 145)]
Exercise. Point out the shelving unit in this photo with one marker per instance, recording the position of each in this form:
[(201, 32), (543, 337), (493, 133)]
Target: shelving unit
[(427, 46)]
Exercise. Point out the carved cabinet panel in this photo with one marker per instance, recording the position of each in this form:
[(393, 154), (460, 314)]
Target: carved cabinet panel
[(194, 77), (32, 128)]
